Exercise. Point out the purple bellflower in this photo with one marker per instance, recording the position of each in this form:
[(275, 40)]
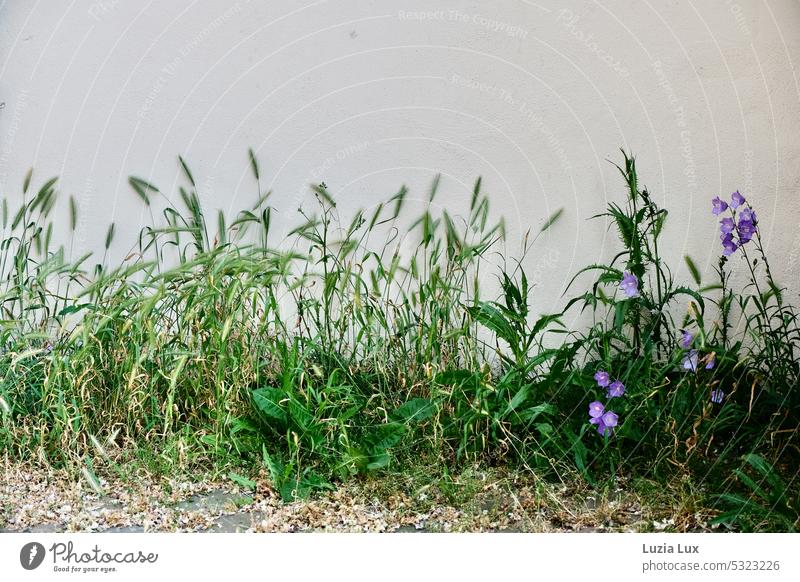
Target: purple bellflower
[(735, 234), (726, 225), (602, 378), (747, 214), (605, 420), (729, 246), (629, 285), (616, 389), (690, 361), (686, 339), (718, 206), (746, 230), (596, 409)]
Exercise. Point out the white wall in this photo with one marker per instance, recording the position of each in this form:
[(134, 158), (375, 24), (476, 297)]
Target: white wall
[(366, 95)]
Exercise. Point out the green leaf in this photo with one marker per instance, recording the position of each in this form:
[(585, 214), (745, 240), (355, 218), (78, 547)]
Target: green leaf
[(379, 462), (273, 466), (489, 316), (268, 402), (384, 437), (691, 293), (766, 470), (476, 190), (301, 415), (186, 171), (434, 187), (254, 163), (534, 412), (323, 194), (544, 321), (73, 213), (519, 398), (692, 269), (241, 480), (620, 311), (458, 378), (291, 490), (27, 182), (415, 410), (552, 220), (109, 236), (142, 187), (75, 308), (612, 273)]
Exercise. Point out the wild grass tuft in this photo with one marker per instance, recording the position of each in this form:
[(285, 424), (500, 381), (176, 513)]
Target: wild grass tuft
[(348, 353)]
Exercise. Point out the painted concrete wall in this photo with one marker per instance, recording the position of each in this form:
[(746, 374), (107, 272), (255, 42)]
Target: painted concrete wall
[(535, 96)]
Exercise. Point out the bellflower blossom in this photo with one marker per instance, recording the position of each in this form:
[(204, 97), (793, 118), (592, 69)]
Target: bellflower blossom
[(717, 396), (686, 339), (629, 285), (726, 225), (734, 234), (748, 215), (728, 245), (746, 229), (616, 389), (605, 420), (602, 378), (718, 206), (690, 361)]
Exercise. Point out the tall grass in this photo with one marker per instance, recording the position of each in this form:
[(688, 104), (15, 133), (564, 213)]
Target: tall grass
[(347, 353)]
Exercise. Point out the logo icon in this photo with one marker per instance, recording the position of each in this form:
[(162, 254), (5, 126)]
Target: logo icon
[(31, 555)]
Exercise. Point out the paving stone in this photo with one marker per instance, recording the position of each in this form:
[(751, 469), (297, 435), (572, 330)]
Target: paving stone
[(215, 501), (511, 530), (45, 528), (410, 529), (233, 522), (125, 529)]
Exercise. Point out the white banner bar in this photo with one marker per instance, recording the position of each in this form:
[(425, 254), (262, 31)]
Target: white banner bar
[(412, 557)]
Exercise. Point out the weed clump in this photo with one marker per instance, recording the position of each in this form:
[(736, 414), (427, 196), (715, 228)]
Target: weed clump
[(343, 356)]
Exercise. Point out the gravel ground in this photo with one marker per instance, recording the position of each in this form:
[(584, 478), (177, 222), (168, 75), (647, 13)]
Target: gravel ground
[(37, 500)]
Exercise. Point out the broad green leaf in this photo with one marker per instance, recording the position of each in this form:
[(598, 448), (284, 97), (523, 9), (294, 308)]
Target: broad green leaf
[(415, 410), (268, 401)]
